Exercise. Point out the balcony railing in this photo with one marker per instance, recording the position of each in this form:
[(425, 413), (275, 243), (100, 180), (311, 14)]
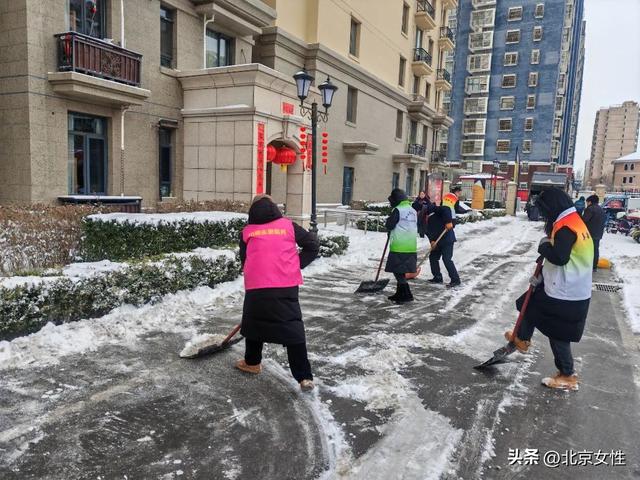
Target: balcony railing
[(417, 149), (425, 6), (442, 74), (81, 53), (439, 156), (446, 32), (421, 55)]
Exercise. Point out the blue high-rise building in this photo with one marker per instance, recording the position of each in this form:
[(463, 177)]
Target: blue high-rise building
[(517, 80)]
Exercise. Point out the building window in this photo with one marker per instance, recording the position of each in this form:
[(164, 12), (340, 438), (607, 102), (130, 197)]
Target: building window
[(515, 13), (475, 105), (539, 12), (474, 126), (555, 149), (531, 102), (533, 79), (626, 166), (416, 84), (526, 146), (557, 126), (480, 40), (537, 33), (352, 104), (523, 186), (166, 37), (510, 59), (405, 18), (509, 81), (425, 136), (513, 36), (408, 184), (479, 84), (503, 146), (507, 103), (559, 103), (624, 179), (535, 57), (479, 63), (218, 49), (354, 38), (402, 68), (631, 168), (528, 124), (524, 167), (87, 17), (472, 147), (165, 149), (395, 180), (399, 122), (413, 132), (505, 125), (427, 92), (87, 155), (482, 18)]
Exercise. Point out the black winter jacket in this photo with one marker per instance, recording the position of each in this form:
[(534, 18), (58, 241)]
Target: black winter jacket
[(594, 218)]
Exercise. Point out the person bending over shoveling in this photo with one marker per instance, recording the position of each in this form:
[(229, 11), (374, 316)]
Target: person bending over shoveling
[(440, 219), (402, 226), (560, 302), (271, 264)]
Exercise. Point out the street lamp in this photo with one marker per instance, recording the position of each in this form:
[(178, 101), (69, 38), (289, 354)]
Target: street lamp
[(496, 167), (327, 89)]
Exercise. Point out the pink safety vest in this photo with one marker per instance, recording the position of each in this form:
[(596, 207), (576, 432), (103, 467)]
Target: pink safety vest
[(272, 255)]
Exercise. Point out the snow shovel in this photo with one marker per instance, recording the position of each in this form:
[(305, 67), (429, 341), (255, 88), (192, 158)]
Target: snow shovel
[(412, 275), (502, 353), (376, 285), (211, 344)]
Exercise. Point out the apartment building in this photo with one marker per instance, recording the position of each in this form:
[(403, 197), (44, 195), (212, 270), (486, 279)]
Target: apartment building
[(626, 173), (615, 134), (179, 99), (517, 81)]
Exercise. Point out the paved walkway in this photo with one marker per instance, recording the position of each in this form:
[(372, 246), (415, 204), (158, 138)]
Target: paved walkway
[(397, 396)]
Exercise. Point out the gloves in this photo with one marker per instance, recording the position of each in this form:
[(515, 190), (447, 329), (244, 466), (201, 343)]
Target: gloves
[(535, 281), (543, 241), (449, 226)]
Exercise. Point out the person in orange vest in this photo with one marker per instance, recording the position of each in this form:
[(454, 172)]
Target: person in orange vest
[(560, 302), (452, 201), (272, 273)]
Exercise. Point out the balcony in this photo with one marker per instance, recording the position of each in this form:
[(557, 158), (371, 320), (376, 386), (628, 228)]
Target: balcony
[(421, 64), (443, 80), (447, 39), (450, 4), (442, 119), (425, 15), (439, 156), (90, 69), (418, 108), (416, 154), (417, 149)]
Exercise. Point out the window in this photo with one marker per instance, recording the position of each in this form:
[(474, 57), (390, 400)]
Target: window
[(480, 40), (555, 149), (402, 68), (533, 79), (535, 57), (482, 18), (413, 132), (475, 105), (632, 165), (557, 126), (509, 81), (523, 186), (165, 149), (416, 84), (559, 103), (507, 103), (624, 179), (87, 155), (87, 17), (166, 37), (472, 147), (537, 33), (626, 166), (513, 36), (479, 84), (528, 124), (352, 104), (479, 63), (408, 183), (515, 13), (399, 121), (427, 92), (425, 136), (354, 38), (395, 180), (474, 126), (510, 59), (531, 102), (526, 146), (405, 18), (503, 146), (505, 125), (218, 50), (539, 12)]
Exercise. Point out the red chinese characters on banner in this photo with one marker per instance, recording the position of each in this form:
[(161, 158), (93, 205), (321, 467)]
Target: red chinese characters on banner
[(287, 108), (309, 163), (260, 163)]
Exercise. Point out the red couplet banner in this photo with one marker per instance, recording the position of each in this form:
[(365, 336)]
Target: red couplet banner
[(260, 163)]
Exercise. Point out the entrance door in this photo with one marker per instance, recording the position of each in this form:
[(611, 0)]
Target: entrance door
[(87, 155), (347, 185)]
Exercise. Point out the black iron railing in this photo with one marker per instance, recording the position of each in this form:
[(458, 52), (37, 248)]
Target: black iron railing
[(421, 55), (425, 6), (443, 74), (81, 53), (439, 156), (417, 149), (446, 32)]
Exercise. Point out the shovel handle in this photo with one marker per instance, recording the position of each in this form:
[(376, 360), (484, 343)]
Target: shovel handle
[(525, 304), (426, 255), (233, 332), (384, 252)]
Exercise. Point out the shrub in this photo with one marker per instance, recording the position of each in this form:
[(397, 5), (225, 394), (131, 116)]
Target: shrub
[(333, 244), (383, 207), (206, 206), (373, 224)]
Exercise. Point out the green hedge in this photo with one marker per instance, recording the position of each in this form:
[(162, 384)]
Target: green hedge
[(331, 245), (377, 224), (384, 209), (374, 224)]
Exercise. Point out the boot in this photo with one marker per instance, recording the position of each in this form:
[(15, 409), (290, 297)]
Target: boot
[(521, 345), (306, 385), (395, 296), (242, 365), (435, 280), (562, 382), (453, 283), (405, 294)]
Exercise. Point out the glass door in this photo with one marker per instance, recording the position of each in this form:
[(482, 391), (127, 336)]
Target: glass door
[(87, 155), (96, 166), (347, 186)]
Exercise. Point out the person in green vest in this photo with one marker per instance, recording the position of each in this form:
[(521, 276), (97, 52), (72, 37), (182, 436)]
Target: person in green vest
[(402, 226)]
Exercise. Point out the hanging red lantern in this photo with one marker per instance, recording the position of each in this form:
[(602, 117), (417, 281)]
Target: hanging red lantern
[(325, 134), (92, 7), (271, 153), (285, 156)]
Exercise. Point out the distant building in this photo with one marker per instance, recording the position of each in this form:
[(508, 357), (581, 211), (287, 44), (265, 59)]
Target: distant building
[(626, 173), (517, 80)]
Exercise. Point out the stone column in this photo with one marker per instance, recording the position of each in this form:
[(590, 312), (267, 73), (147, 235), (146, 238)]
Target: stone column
[(298, 198), (512, 188), (601, 191)]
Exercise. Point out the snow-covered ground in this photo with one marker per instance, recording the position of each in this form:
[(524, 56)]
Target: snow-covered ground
[(624, 254)]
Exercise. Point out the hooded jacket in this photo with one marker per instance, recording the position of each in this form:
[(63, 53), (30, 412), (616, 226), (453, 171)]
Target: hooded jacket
[(402, 223)]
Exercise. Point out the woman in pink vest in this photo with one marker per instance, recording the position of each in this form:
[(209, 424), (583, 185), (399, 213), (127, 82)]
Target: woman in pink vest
[(272, 264)]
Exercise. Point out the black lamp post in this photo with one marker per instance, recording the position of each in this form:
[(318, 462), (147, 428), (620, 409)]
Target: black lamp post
[(496, 167), (327, 89)]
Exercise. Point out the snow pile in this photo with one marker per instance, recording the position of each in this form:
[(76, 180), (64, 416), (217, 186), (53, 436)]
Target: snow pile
[(167, 218)]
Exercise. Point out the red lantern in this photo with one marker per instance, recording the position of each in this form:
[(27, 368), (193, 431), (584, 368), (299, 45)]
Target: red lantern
[(325, 134), (271, 153), (285, 156)]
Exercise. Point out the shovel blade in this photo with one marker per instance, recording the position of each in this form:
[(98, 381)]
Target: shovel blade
[(206, 348), (498, 356), (372, 286)]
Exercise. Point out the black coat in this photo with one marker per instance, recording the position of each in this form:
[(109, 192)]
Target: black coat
[(439, 217), (398, 262), (273, 314), (418, 205), (594, 218)]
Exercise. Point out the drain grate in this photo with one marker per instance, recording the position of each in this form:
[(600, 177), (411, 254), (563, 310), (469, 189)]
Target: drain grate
[(606, 287)]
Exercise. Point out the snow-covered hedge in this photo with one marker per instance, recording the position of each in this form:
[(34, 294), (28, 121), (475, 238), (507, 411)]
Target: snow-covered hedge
[(374, 224), (331, 245), (383, 207), (377, 224)]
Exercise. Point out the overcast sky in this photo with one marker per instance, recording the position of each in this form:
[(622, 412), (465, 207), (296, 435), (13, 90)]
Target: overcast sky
[(612, 63)]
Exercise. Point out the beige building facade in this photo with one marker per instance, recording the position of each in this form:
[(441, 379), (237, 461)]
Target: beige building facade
[(626, 173), (179, 99), (615, 134)]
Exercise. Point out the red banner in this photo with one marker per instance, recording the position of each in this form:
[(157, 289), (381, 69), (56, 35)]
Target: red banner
[(287, 108), (260, 163), (309, 152)]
